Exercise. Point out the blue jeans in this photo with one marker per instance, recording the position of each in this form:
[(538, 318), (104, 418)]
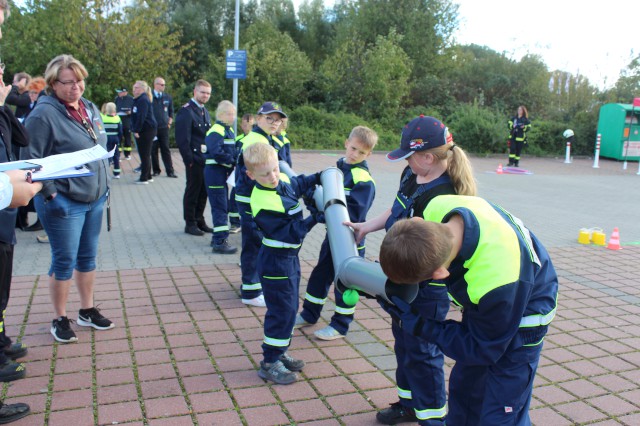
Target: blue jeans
[(74, 230)]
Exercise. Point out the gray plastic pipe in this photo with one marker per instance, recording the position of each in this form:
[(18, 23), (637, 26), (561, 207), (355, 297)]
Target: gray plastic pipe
[(351, 270)]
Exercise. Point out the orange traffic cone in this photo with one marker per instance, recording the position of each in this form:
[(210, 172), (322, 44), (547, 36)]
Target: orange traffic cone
[(499, 169), (614, 241)]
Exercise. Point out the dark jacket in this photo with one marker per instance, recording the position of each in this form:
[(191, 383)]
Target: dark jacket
[(142, 115), (21, 101), (192, 125), (124, 106), (162, 109), (52, 131), (10, 132)]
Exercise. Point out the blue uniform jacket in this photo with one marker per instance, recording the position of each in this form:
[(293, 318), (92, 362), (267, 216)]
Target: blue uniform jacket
[(283, 222), (221, 145), (503, 279), (359, 190), (192, 125), (142, 115), (11, 131), (244, 185)]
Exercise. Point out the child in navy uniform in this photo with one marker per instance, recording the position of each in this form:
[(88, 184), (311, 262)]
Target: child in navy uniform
[(502, 277), (113, 127), (360, 190), (278, 213)]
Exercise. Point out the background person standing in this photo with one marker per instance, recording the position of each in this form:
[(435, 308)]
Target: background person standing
[(163, 113), (192, 124), (124, 106), (143, 126)]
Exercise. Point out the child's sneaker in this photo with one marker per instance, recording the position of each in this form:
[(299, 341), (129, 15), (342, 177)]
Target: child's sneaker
[(116, 176), (61, 330), (328, 333), (256, 301), (93, 318), (234, 229), (300, 322), (290, 363), (277, 373)]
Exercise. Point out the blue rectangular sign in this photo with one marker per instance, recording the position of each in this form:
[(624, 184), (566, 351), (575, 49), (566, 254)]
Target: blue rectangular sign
[(237, 64)]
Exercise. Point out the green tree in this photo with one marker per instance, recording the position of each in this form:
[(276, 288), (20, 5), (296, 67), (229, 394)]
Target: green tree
[(276, 69), (117, 46)]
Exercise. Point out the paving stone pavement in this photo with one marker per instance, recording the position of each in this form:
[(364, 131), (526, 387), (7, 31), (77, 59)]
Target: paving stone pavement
[(185, 349)]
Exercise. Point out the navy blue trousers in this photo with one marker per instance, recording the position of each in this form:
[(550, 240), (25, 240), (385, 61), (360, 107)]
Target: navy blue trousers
[(320, 281), (420, 372), (251, 242), (279, 271), (215, 179)]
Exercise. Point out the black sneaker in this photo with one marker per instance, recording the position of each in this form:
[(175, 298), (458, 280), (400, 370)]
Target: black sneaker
[(224, 248), (277, 373), (12, 412), (93, 318), (16, 350), (61, 330), (11, 370), (292, 364), (396, 413)]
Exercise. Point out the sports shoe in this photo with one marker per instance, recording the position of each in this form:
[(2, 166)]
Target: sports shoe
[(256, 301), (142, 182), (137, 170), (300, 322), (15, 351), (116, 176), (396, 413), (328, 333), (93, 318), (234, 229), (277, 373), (44, 239), (11, 370), (12, 412), (224, 248), (150, 180), (290, 363), (61, 330), (127, 157)]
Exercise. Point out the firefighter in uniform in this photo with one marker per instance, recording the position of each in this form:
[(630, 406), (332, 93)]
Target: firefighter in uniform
[(501, 276), (124, 106), (192, 124), (220, 158), (518, 128)]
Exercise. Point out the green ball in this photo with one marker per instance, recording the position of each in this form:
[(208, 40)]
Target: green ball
[(350, 297)]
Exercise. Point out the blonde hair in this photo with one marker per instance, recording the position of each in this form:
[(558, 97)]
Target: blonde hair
[(224, 106), (413, 249), (108, 109), (145, 88), (258, 154), (59, 63), (459, 167), (365, 135)]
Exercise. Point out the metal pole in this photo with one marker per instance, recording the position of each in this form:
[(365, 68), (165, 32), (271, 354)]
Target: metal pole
[(597, 156), (236, 43), (626, 144), (567, 156)]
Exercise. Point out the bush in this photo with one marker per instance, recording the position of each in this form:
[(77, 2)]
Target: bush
[(478, 130)]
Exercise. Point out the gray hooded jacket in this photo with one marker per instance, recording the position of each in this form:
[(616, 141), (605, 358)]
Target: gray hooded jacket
[(52, 131)]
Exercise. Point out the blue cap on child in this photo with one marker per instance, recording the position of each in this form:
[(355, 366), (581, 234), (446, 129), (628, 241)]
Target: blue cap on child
[(420, 134), (269, 107)]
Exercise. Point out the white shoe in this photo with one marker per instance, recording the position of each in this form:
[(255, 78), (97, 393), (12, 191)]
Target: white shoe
[(116, 176), (256, 301), (300, 322), (328, 333)]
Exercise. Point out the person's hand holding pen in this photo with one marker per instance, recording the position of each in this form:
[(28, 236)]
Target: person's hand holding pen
[(23, 188)]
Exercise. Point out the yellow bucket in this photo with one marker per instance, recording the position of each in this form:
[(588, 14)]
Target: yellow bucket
[(584, 236), (598, 237)]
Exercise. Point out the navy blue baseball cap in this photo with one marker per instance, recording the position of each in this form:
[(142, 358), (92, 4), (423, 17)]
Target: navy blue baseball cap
[(420, 134), (123, 89), (269, 107)]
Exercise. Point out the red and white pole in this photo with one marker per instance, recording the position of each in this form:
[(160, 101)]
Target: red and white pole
[(567, 155), (597, 155)]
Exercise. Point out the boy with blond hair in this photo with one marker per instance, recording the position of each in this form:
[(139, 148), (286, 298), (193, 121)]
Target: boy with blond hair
[(360, 190), (278, 214)]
